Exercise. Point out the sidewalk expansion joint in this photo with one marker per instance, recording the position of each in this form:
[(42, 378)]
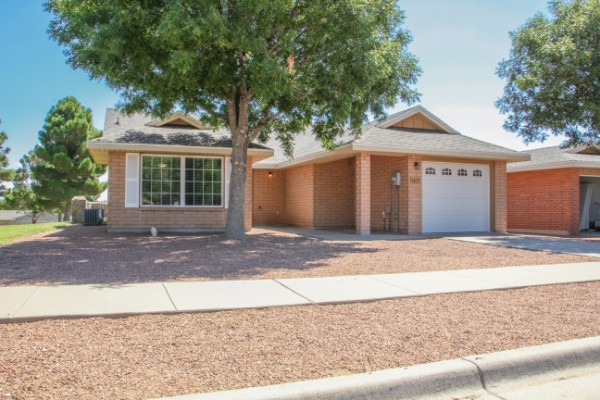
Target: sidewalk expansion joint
[(169, 296), (24, 302), (296, 293)]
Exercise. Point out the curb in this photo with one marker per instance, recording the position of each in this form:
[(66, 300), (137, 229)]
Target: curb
[(468, 377)]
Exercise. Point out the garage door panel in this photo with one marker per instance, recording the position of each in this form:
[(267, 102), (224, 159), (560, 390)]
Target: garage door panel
[(454, 203), (465, 207), (449, 224)]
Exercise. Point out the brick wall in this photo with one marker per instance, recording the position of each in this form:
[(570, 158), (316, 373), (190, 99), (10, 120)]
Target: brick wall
[(299, 195), (268, 205), (544, 201), (334, 194), (162, 217), (384, 195)]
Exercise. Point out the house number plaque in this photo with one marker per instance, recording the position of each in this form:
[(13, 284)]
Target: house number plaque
[(414, 179)]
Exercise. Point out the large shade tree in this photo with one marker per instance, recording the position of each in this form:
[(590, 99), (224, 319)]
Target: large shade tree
[(255, 67), (63, 166), (553, 74)]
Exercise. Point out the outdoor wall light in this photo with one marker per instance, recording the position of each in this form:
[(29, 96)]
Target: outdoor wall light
[(270, 174), (417, 165)]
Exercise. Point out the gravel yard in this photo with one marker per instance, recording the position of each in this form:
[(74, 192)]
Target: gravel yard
[(89, 255), (152, 356)]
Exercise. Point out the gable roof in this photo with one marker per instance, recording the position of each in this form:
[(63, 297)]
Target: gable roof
[(409, 112), (180, 119), (141, 132), (383, 137), (555, 157)]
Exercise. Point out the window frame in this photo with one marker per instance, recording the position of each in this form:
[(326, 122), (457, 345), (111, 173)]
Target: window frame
[(182, 181)]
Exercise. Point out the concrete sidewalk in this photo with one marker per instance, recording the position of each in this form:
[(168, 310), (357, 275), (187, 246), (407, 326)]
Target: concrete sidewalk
[(24, 303)]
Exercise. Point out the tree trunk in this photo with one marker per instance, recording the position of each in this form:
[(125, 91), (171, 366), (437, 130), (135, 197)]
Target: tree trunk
[(67, 211), (237, 188), (60, 217), (34, 218)]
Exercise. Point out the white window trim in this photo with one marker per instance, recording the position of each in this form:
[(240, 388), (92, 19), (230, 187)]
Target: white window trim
[(181, 183)]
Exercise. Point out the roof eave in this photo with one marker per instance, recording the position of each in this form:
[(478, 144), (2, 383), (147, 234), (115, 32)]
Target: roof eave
[(553, 165), (445, 153), (99, 150), (323, 155)]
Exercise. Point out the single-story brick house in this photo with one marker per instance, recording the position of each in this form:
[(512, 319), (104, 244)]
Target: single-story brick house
[(556, 192), (409, 173)]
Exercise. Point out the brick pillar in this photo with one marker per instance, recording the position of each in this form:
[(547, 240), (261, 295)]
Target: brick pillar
[(363, 193), (414, 182), (500, 200)]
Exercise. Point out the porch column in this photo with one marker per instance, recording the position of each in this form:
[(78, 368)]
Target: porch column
[(363, 194), (499, 199), (415, 194)]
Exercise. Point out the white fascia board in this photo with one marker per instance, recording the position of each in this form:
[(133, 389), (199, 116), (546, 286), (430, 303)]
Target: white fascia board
[(553, 165), (445, 153), (415, 110), (136, 147)]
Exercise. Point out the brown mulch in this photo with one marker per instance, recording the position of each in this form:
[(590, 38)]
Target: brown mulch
[(90, 255), (153, 356)]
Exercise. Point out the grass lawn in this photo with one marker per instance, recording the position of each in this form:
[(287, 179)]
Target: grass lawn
[(8, 233)]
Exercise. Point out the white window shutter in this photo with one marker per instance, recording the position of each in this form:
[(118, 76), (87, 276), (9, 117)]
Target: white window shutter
[(228, 169), (132, 180)]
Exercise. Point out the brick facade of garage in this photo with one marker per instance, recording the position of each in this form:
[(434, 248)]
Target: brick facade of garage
[(544, 201)]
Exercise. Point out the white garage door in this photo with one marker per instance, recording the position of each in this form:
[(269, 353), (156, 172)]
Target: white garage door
[(456, 197)]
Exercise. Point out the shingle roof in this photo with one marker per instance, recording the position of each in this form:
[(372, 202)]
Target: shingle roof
[(133, 129), (555, 157), (394, 139)]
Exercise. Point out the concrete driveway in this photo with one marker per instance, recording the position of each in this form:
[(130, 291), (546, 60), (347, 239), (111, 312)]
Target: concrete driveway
[(540, 243)]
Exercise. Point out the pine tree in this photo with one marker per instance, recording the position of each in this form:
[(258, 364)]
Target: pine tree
[(5, 174), (21, 197), (64, 167)]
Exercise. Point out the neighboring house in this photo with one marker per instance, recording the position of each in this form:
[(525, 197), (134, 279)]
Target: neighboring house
[(16, 217), (173, 174), (556, 192)]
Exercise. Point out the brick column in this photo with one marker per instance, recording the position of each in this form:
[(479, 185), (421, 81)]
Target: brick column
[(500, 201), (415, 194), (363, 194)]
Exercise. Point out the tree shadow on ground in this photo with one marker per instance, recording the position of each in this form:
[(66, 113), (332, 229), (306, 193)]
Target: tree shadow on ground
[(90, 255)]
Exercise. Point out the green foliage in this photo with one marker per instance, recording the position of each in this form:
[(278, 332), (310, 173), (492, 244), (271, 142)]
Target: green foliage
[(21, 196), (61, 165), (257, 67), (553, 74), (5, 173), (212, 56), (8, 233)]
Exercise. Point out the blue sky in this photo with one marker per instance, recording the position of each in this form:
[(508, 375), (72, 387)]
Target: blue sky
[(459, 43)]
